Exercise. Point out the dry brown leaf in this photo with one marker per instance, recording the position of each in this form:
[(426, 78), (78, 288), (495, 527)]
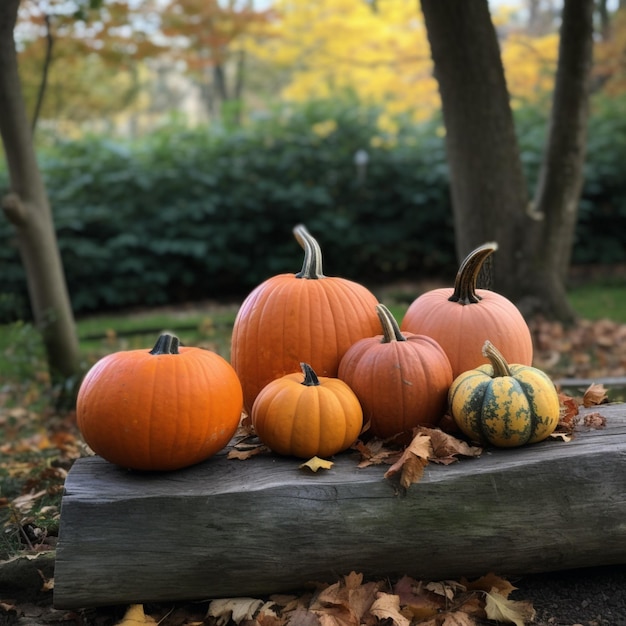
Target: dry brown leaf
[(446, 588), (348, 600), (416, 600), (247, 453), (446, 447), (412, 462), (303, 617), (501, 609), (456, 618), (568, 414), (595, 394), (387, 607), (25, 502), (315, 463), (235, 609), (374, 452), (594, 420), (489, 582)]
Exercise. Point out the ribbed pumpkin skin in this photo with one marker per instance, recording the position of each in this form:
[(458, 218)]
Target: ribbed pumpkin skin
[(159, 412), (301, 420), (400, 384), (505, 411), (461, 330), (462, 318), (287, 320)]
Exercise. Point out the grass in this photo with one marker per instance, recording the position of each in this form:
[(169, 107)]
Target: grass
[(600, 300)]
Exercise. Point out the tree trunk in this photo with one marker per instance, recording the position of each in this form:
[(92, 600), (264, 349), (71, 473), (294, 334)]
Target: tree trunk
[(561, 178), (488, 188), (28, 209), (489, 193)]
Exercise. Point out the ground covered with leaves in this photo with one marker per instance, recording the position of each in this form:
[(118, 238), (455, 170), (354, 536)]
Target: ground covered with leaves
[(39, 445)]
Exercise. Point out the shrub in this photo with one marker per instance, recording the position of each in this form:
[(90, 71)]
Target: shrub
[(193, 214)]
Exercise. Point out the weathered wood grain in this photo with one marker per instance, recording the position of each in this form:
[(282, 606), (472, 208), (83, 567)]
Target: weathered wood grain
[(231, 528)]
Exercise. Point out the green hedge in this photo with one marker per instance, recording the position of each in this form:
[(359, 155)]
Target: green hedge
[(186, 215)]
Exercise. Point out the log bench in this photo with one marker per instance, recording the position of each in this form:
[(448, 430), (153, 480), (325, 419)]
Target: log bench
[(228, 528)]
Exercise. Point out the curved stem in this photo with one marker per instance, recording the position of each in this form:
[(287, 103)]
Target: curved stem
[(500, 366), (466, 277), (310, 377), (312, 266), (166, 344), (391, 330)]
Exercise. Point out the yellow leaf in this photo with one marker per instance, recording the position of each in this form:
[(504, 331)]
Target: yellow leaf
[(135, 616), (316, 463), (502, 609)]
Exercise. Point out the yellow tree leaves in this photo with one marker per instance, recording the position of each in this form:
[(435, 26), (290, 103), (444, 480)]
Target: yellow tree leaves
[(380, 51), (333, 46)]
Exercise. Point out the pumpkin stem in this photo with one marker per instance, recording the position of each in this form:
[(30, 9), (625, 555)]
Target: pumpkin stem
[(312, 266), (498, 362), (466, 277), (310, 377), (166, 344), (391, 330)]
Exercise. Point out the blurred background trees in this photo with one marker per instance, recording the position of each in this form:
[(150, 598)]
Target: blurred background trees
[(180, 140)]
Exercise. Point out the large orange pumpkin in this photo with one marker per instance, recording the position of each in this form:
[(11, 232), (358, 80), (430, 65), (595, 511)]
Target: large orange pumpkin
[(462, 318), (159, 409), (294, 318), (306, 418), (401, 380)]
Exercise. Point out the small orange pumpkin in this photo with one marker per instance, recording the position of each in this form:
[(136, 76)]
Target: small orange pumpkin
[(307, 418), (463, 318), (401, 380), (159, 409), (291, 318)]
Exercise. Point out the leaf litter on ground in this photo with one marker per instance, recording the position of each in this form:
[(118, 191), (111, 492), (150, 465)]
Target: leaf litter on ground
[(40, 446)]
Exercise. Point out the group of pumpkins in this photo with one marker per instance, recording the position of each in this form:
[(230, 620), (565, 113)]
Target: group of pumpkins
[(313, 360)]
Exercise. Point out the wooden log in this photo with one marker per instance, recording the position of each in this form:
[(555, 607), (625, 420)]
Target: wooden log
[(229, 528)]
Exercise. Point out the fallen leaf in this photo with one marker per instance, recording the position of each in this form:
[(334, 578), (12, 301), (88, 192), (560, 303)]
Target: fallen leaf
[(374, 452), (302, 617), (446, 588), (25, 502), (316, 463), (350, 597), (412, 462), (500, 608), (416, 599), (387, 607), (595, 394), (490, 582), (47, 584), (568, 417), (456, 618), (594, 420), (235, 609), (243, 455), (446, 447), (135, 616)]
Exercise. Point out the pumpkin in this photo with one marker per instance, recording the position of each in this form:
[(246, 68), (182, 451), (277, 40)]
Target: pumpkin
[(504, 405), (290, 318), (317, 416), (159, 409), (401, 380), (460, 319)]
